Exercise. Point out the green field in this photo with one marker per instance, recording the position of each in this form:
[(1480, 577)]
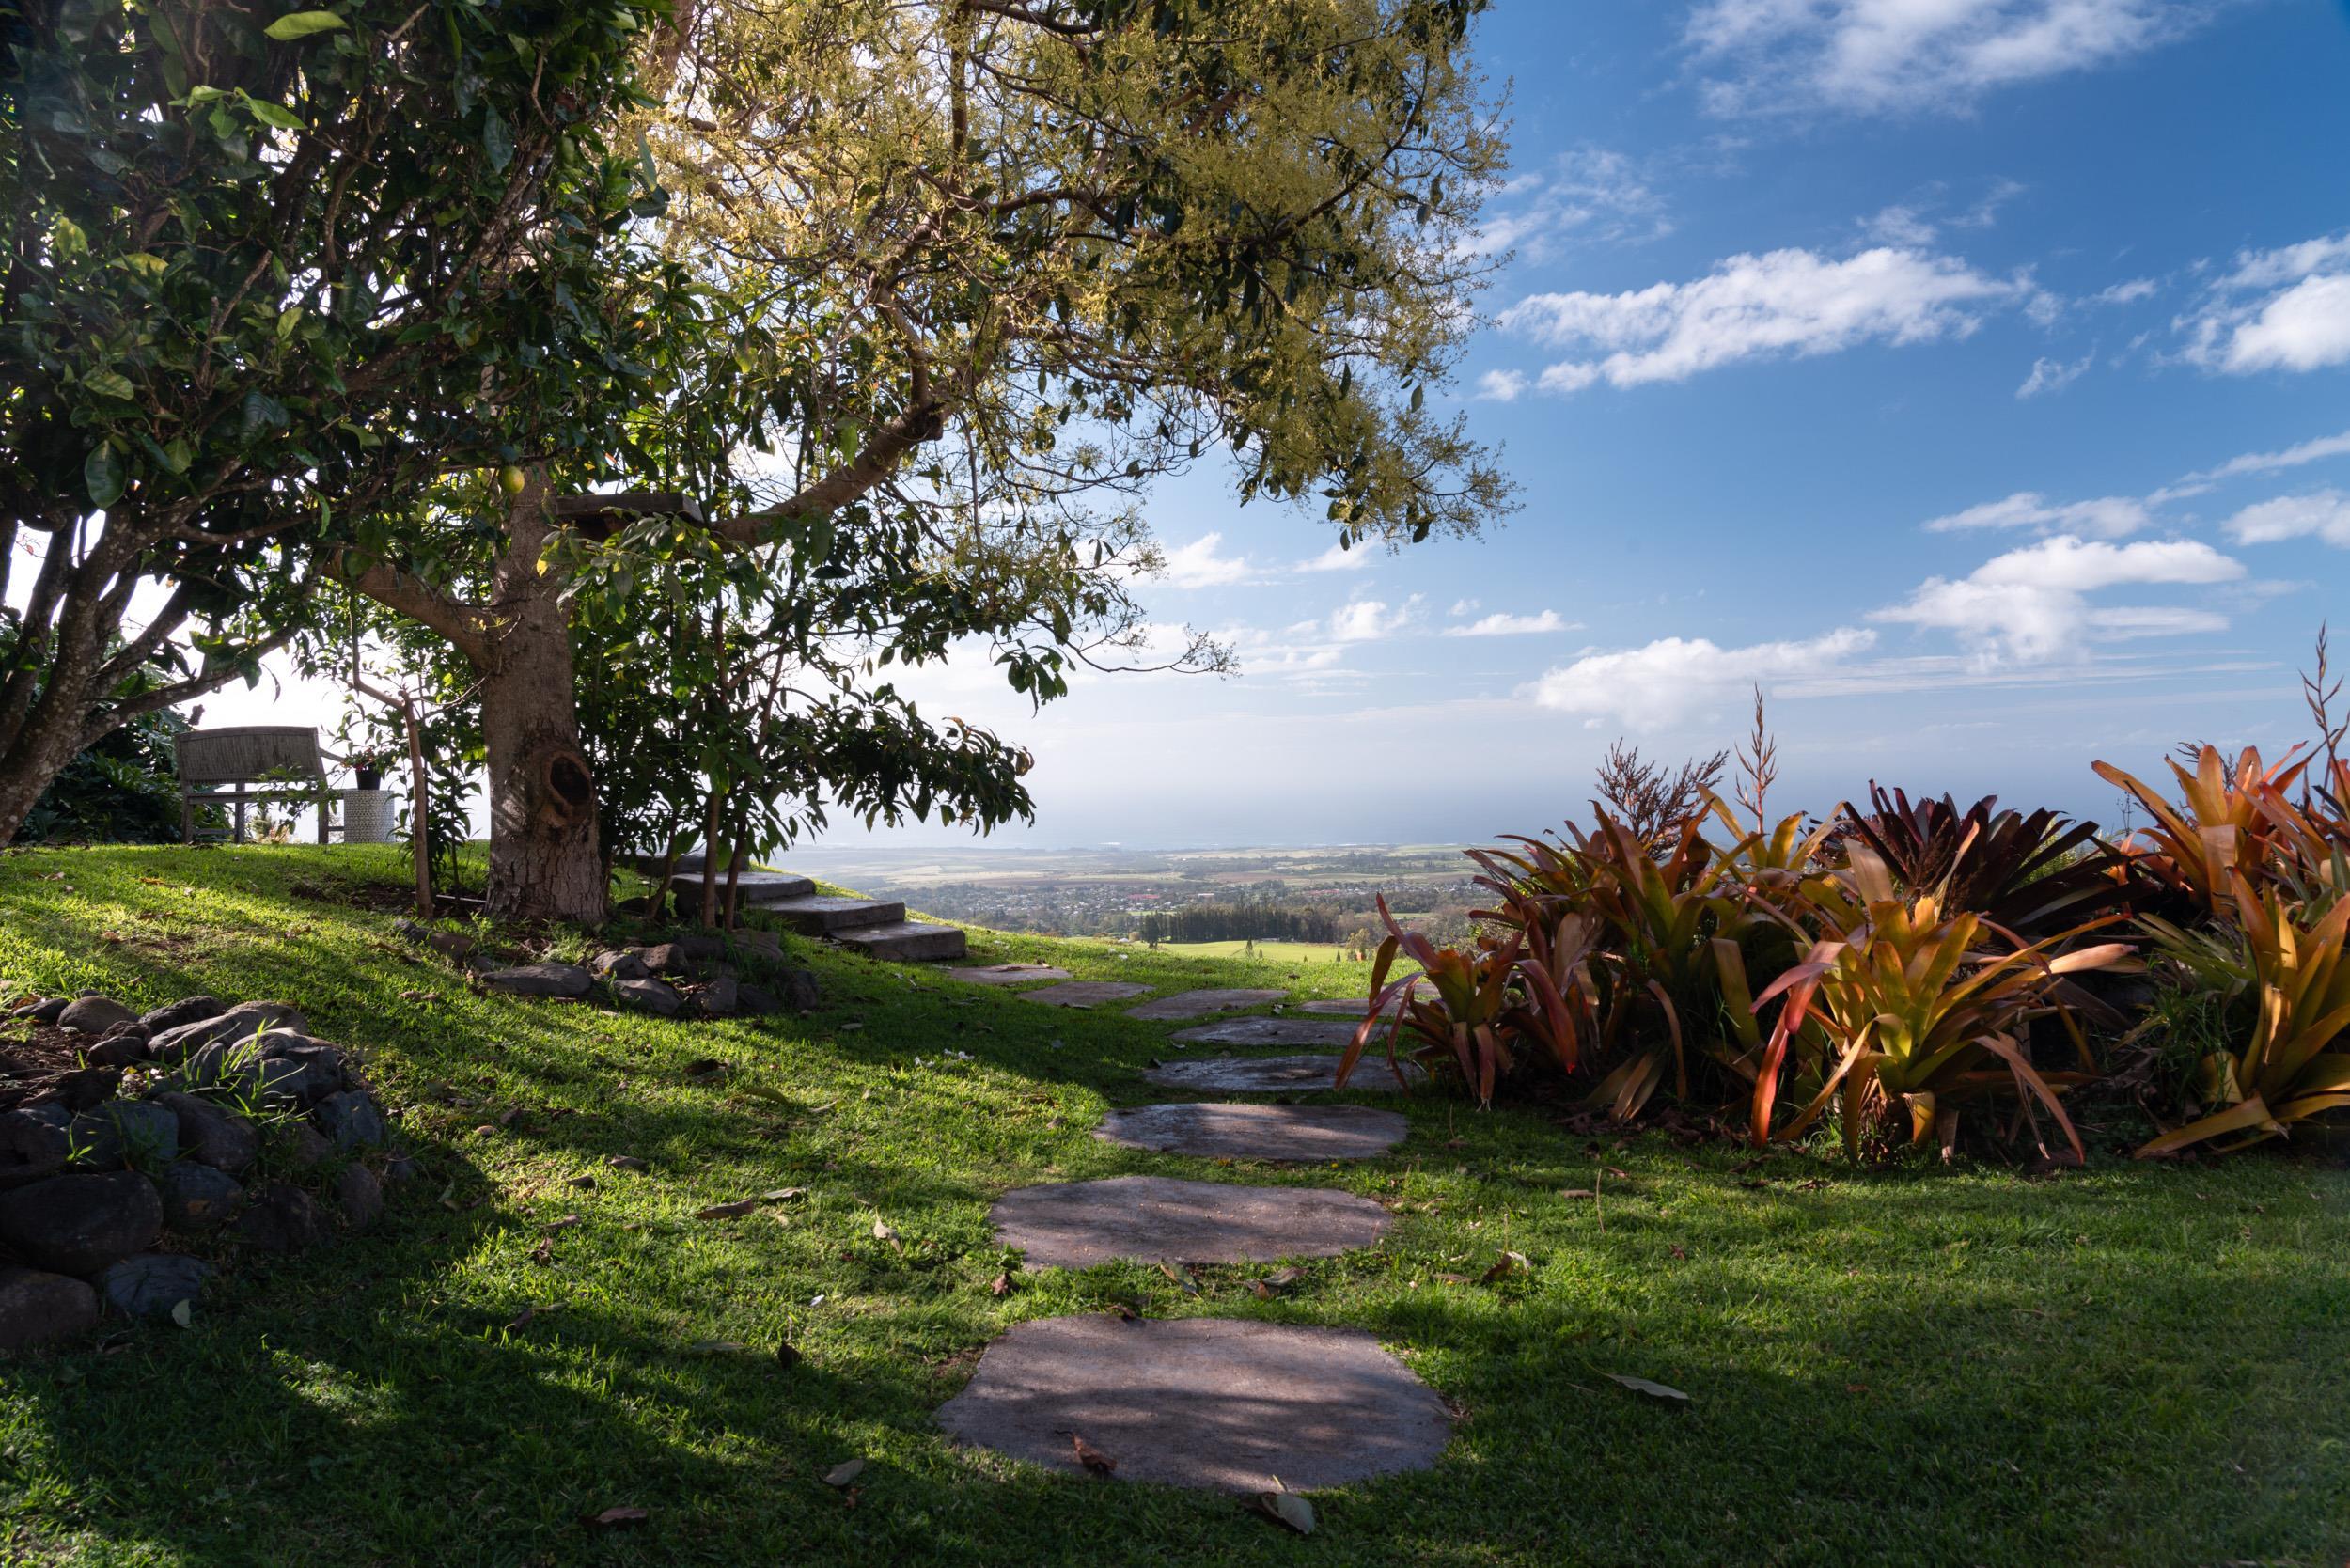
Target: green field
[(1272, 952), (2133, 1364)]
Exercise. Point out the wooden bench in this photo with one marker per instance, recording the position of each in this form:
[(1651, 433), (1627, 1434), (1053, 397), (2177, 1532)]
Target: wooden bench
[(220, 767)]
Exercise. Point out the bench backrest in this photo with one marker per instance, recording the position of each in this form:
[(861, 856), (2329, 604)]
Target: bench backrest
[(248, 754)]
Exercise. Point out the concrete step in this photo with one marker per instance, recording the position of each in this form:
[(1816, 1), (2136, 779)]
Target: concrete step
[(754, 889), (906, 941), (824, 915)]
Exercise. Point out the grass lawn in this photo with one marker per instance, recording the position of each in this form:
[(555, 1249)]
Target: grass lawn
[(1291, 953), (2134, 1365)]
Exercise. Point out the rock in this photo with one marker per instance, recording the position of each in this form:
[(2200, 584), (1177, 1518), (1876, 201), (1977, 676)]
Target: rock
[(400, 1169), (700, 946), (173, 1046), (51, 1010), (283, 1218), (539, 980), (451, 944), (225, 1067), (302, 1146), (670, 958), (1246, 1132), (350, 1119), (1079, 1224), (765, 944), (755, 1001), (95, 1015), (213, 1135), (36, 1307), (84, 1087), (138, 1133), (152, 1283), (298, 1068), (197, 1197), (619, 964), (78, 1224), (719, 998), (360, 1195), (119, 1049), (649, 996), (1198, 1004), (1084, 993), (799, 989), (1009, 974), (179, 1015), (32, 1145)]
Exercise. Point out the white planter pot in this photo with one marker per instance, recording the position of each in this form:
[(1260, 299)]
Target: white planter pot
[(368, 816)]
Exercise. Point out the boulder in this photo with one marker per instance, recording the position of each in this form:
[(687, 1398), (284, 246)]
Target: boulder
[(282, 1219), (453, 944), (700, 947), (138, 1133), (35, 1308), (51, 1010), (798, 989), (179, 1015), (400, 1169), (719, 998), (32, 1144), (227, 1067), (298, 1068), (539, 980), (197, 1197), (95, 1015), (361, 1195), (649, 996), (78, 1224), (755, 1001), (670, 958), (84, 1087), (302, 1146), (350, 1119), (619, 964), (119, 1049), (173, 1046), (152, 1283), (213, 1135)]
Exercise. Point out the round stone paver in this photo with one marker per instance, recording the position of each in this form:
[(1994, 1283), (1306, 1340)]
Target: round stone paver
[(1079, 1224), (1219, 1403), (1267, 1031), (1009, 974), (1249, 1132), (1198, 1004), (1084, 993), (1279, 1074)]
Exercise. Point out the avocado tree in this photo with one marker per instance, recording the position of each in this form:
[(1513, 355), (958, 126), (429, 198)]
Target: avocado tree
[(269, 272)]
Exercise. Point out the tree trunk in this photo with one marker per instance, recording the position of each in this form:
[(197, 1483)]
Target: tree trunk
[(544, 860), (42, 750)]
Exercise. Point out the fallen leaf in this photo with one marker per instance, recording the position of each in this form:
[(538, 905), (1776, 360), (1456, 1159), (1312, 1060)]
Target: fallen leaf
[(1180, 1274), (182, 1313), (615, 1518), (563, 1224), (782, 1195), (882, 1233), (1285, 1508), (841, 1474), (625, 1162), (1577, 1192), (1092, 1458), (585, 1183), (1001, 1284), (715, 1347), (727, 1211), (1642, 1386), (1506, 1265), (787, 1357)]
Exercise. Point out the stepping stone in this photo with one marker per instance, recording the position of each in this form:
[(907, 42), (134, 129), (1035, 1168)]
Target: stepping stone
[(1009, 974), (1218, 1403), (1354, 1008), (1279, 1074), (1198, 1004), (752, 889), (1267, 1031), (825, 915), (1079, 1224), (1084, 993), (904, 941), (1247, 1132)]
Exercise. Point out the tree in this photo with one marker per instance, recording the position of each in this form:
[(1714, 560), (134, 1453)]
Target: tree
[(266, 276), (988, 270)]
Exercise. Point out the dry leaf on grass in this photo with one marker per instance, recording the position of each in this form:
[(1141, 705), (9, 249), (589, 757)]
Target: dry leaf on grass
[(615, 1518), (1506, 1265), (1642, 1386), (1001, 1284), (727, 1211), (1285, 1508), (845, 1472), (1093, 1459), (625, 1162), (883, 1230)]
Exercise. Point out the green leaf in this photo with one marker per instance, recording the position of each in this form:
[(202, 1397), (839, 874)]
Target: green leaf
[(497, 143), (111, 383), (103, 476), (301, 24), (275, 115)]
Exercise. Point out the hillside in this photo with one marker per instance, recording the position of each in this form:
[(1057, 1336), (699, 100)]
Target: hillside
[(1887, 1365)]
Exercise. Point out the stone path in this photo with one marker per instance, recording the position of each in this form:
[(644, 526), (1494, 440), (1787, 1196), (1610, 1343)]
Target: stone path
[(1216, 1403), (1267, 1031), (1279, 1074), (1079, 1224), (1198, 1004), (1230, 1403), (1009, 974), (1084, 993), (1251, 1132)]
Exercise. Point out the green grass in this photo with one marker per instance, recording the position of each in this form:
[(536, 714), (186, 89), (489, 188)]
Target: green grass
[(2131, 1365), (1291, 953)]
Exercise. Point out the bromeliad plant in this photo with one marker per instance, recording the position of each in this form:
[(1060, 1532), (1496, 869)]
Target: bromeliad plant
[(2026, 874), (2295, 1062), (1919, 1012), (2229, 816)]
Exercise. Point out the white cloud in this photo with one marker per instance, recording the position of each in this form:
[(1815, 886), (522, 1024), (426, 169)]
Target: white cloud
[(1369, 619), (1465, 606), (2284, 309), (1502, 387), (2323, 515), (2269, 463), (1338, 559), (2124, 293), (1900, 56), (2032, 605), (1666, 680), (2054, 375), (1511, 625), (1197, 565), (1587, 195), (1788, 302), (1900, 226), (2107, 516)]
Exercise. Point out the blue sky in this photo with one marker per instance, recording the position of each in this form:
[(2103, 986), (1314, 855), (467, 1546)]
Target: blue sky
[(1972, 375)]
